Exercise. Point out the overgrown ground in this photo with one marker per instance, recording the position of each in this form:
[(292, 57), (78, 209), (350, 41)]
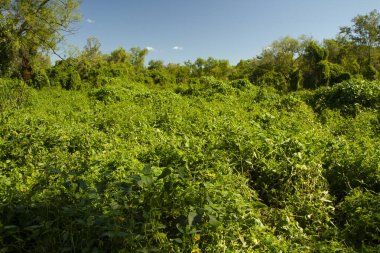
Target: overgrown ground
[(215, 167)]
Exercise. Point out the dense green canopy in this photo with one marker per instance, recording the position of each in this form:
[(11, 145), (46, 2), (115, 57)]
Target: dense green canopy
[(30, 27)]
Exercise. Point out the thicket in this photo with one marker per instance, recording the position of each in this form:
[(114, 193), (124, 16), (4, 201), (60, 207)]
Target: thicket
[(280, 153), (217, 166)]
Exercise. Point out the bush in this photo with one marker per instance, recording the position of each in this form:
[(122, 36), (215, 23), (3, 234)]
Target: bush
[(105, 94), (212, 85), (240, 84), (13, 94), (40, 79), (338, 74), (273, 79), (161, 77), (351, 165), (322, 73), (347, 96), (370, 72), (359, 217), (68, 79)]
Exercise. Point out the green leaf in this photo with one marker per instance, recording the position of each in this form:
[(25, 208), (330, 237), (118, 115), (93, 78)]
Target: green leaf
[(147, 170), (213, 221), (193, 218), (190, 217), (166, 172), (145, 181), (178, 240)]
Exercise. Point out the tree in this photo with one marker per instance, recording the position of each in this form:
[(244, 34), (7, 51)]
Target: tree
[(138, 57), (278, 64), (156, 64), (92, 49), (314, 66), (244, 69), (364, 32), (281, 56), (30, 27), (119, 56), (181, 73)]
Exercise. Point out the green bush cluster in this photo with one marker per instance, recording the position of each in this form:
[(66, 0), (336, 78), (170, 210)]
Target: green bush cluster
[(359, 217), (13, 94), (214, 166), (348, 96)]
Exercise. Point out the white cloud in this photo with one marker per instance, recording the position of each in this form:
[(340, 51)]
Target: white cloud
[(150, 49), (90, 21), (177, 48)]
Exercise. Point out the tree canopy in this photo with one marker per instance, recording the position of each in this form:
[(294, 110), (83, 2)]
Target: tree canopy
[(31, 27), (365, 31)]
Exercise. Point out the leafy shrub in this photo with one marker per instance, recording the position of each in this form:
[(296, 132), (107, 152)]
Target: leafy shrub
[(13, 94), (288, 179), (322, 73), (370, 72), (212, 85), (40, 79), (105, 94), (338, 74), (351, 165), (347, 96), (132, 167), (161, 77), (240, 84), (273, 79), (68, 79), (266, 95), (359, 217)]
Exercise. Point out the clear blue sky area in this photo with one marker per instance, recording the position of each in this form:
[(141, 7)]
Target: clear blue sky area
[(180, 30)]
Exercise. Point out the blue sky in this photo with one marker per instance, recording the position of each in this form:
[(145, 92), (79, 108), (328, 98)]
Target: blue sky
[(180, 30)]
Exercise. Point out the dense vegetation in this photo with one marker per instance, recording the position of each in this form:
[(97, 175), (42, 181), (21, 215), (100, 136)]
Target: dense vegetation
[(280, 153)]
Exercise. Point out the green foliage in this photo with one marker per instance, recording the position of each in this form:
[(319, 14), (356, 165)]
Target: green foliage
[(107, 155), (338, 74), (66, 77), (273, 79), (105, 94), (211, 85), (29, 27), (13, 94), (160, 77), (322, 73), (212, 167), (369, 72), (314, 53), (6, 55), (364, 33), (315, 66), (40, 79), (295, 80), (138, 57), (119, 56), (351, 165), (240, 84), (359, 217), (348, 96)]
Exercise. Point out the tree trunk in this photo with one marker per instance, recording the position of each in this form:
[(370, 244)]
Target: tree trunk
[(26, 69)]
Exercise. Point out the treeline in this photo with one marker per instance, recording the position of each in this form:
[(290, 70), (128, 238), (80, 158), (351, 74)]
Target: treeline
[(288, 64)]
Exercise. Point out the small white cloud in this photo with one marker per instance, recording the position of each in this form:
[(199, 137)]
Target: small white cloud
[(90, 21), (177, 48), (150, 49)]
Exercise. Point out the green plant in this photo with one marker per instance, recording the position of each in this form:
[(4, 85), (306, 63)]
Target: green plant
[(359, 217)]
